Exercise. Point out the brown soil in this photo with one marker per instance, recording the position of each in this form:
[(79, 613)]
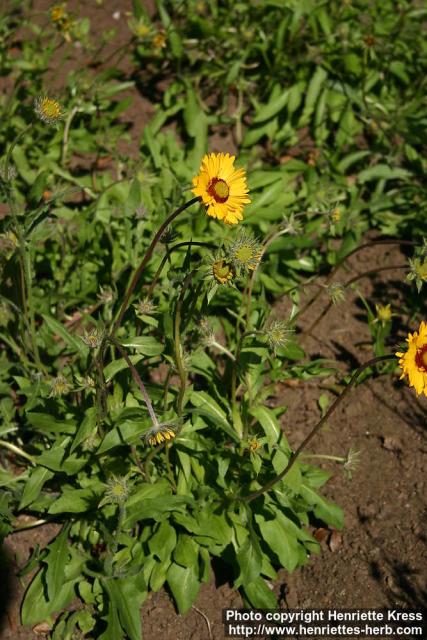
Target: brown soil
[(379, 558)]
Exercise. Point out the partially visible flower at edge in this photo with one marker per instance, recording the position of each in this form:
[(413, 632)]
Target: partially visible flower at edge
[(413, 362)]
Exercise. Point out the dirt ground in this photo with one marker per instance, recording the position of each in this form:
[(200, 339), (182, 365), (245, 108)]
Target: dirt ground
[(379, 559)]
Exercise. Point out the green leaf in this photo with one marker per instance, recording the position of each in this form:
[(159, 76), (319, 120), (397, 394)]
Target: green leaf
[(207, 406), (383, 172), (127, 595), (281, 540), (36, 607), (154, 508), (75, 344), (163, 542), (268, 422), (128, 432), (74, 501), (146, 345), (56, 561), (34, 485), (47, 423), (323, 509), (116, 366), (184, 584), (272, 108), (249, 558), (186, 552), (259, 595)]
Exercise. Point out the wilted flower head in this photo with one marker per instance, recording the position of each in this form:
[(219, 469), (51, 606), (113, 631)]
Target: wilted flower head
[(336, 292), (245, 252), (59, 387), (159, 433), (278, 334), (48, 109)]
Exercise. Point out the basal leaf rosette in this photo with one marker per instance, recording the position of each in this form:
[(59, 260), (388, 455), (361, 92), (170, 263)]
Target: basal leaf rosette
[(221, 187), (414, 361)]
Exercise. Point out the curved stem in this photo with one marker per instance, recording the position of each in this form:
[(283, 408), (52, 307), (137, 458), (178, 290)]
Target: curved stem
[(177, 341), (17, 451), (189, 243), (365, 274), (318, 426), (144, 262), (343, 260), (137, 379)]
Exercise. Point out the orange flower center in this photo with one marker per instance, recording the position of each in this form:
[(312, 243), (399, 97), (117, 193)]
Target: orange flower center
[(218, 189), (421, 358)]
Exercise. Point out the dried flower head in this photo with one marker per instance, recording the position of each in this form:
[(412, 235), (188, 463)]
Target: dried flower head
[(8, 244), (9, 174), (352, 461), (336, 292), (93, 338), (290, 224), (278, 334), (105, 295), (245, 252), (59, 387), (145, 307), (413, 362), (48, 109)]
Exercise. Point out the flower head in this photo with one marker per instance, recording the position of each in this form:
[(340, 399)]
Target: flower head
[(159, 40), (245, 252), (418, 271), (145, 307), (59, 387), (223, 271), (117, 491), (413, 362), (48, 110), (93, 338), (159, 433), (384, 313), (221, 187), (336, 292), (278, 334)]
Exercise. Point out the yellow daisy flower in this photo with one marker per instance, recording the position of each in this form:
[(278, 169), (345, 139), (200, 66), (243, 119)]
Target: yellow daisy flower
[(221, 187), (414, 361)]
